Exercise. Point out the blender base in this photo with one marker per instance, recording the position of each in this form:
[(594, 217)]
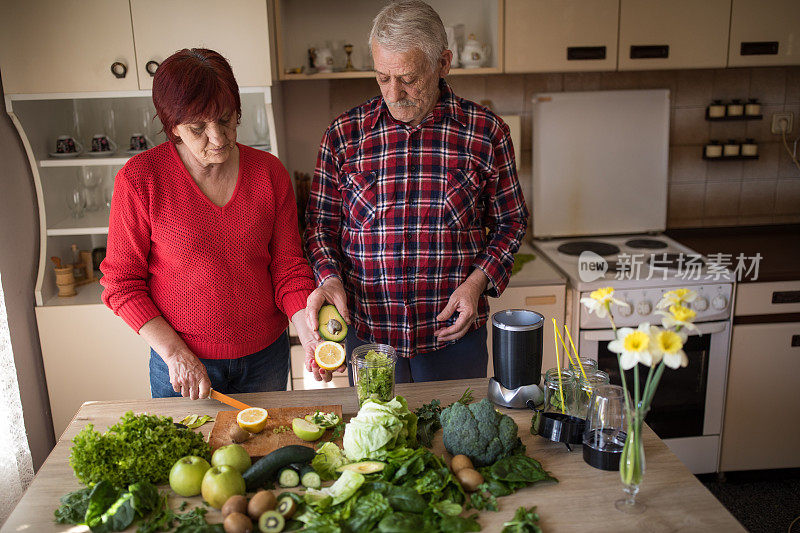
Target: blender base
[(514, 398)]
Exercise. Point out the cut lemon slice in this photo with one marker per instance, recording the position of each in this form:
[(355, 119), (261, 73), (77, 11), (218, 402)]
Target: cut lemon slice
[(329, 355), (253, 419)]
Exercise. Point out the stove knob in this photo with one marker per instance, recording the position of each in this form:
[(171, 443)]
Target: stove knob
[(700, 304), (625, 311), (719, 302), (644, 308)]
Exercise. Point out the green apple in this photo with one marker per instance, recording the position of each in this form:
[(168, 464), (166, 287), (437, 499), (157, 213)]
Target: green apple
[(232, 455), (186, 475), (220, 483)]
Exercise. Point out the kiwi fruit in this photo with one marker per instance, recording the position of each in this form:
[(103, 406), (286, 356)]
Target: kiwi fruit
[(469, 479), (460, 462), (271, 522), (237, 523), (287, 507), (261, 502), (235, 504)]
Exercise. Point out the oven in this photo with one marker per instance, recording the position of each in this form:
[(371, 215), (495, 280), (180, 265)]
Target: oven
[(687, 409)]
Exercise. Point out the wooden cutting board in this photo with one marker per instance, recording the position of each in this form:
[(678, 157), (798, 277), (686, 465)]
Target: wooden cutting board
[(268, 441)]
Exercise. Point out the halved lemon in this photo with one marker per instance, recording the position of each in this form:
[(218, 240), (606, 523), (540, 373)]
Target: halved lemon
[(253, 419), (329, 355)]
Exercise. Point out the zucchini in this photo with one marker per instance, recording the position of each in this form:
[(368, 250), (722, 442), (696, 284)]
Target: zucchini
[(309, 477), (363, 467), (288, 477), (263, 471)]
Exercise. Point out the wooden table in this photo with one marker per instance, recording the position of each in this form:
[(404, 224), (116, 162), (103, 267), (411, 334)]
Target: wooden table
[(583, 500)]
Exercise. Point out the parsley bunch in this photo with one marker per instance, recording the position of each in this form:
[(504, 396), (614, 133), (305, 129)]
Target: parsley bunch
[(137, 448)]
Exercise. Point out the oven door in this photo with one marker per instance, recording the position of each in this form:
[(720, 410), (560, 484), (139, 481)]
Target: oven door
[(688, 401)]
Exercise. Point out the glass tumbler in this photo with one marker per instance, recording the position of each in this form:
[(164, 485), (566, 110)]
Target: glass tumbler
[(589, 366), (373, 372), (553, 393), (606, 425), (586, 388)]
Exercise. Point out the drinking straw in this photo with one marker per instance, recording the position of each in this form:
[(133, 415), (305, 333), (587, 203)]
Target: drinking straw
[(558, 366), (564, 345), (577, 357)]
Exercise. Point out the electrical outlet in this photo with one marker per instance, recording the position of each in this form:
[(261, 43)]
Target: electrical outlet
[(777, 126)]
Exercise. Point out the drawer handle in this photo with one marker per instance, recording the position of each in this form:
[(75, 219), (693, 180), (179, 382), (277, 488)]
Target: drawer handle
[(580, 53), (765, 48), (786, 297), (540, 300), (660, 51), (795, 341), (151, 67), (118, 69)]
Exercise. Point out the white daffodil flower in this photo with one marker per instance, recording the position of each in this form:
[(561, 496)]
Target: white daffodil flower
[(678, 316), (676, 297), (599, 301), (668, 345), (633, 345)]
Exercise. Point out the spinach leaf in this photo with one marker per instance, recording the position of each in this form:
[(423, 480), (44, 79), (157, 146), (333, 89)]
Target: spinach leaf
[(368, 511), (401, 523), (406, 499), (458, 524), (145, 497), (73, 507), (447, 508), (103, 495)]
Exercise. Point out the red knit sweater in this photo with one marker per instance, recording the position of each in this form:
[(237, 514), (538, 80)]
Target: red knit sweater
[(225, 278)]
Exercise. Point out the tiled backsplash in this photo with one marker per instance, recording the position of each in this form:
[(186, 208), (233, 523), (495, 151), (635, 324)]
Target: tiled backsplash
[(701, 193)]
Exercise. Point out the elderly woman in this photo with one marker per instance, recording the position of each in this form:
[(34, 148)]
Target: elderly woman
[(204, 257)]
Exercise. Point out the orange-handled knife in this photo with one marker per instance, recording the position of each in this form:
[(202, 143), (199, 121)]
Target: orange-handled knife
[(227, 400)]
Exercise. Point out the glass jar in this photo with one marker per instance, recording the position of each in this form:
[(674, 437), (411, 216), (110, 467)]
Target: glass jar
[(585, 389), (589, 366), (373, 372), (553, 393)]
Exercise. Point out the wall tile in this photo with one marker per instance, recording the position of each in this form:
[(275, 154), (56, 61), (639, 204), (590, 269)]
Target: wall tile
[(787, 198), (720, 221), (721, 199), (685, 201), (686, 164), (689, 126), (768, 85), (792, 85), (659, 79), (766, 166), (786, 219), (760, 130), (786, 168), (507, 93), (612, 81), (724, 171), (582, 81), (685, 223), (757, 197), (469, 87), (527, 131), (756, 220), (722, 131), (694, 88), (347, 94), (731, 83)]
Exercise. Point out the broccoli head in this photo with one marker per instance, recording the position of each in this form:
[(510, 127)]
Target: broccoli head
[(478, 431)]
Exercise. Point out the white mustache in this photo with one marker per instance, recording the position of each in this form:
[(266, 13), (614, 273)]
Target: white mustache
[(401, 103)]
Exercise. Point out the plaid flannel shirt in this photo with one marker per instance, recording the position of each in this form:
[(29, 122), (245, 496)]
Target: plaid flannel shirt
[(403, 215)]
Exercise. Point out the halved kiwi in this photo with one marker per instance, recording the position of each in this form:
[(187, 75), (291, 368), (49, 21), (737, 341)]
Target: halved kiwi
[(271, 522)]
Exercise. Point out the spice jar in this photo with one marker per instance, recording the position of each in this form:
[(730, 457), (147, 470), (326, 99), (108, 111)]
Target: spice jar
[(716, 109), (585, 389), (555, 389), (753, 108), (749, 148), (713, 150), (731, 149), (735, 108), (373, 372)]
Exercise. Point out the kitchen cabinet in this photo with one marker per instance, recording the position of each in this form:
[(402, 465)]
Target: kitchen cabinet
[(678, 34), (238, 30), (764, 33), (52, 46), (304, 24), (561, 35), (762, 380)]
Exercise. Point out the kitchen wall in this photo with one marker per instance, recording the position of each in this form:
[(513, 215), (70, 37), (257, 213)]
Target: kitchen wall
[(19, 242), (701, 194)]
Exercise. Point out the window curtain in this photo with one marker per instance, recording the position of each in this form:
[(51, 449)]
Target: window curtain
[(16, 466)]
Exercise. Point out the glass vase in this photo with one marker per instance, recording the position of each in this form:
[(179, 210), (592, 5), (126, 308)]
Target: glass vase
[(632, 465)]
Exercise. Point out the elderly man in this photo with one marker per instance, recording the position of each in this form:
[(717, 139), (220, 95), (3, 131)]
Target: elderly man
[(415, 210)]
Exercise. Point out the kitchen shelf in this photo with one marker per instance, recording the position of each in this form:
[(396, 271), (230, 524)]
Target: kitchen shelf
[(84, 161), (92, 223), (88, 294), (731, 158), (733, 119)]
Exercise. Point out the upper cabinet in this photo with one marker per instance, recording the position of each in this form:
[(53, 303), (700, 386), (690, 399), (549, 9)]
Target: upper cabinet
[(654, 34), (764, 32), (58, 46), (561, 35), (238, 30)]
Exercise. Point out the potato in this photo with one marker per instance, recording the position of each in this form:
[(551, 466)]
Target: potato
[(235, 504), (460, 462), (237, 523), (469, 479), (260, 503)]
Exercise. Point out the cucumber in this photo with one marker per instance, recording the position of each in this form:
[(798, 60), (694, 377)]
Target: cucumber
[(288, 477), (363, 467), (309, 477), (263, 471)]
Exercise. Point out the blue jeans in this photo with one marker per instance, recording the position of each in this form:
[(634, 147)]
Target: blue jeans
[(266, 370), (466, 358)]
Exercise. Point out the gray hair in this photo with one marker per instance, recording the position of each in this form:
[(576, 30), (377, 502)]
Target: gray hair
[(407, 25)]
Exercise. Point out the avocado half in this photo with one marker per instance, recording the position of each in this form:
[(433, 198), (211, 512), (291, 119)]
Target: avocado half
[(332, 326)]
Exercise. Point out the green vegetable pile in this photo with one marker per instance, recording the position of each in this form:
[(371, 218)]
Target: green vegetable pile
[(525, 521), (505, 477), (375, 380), (137, 448), (378, 428), (428, 422), (479, 432)]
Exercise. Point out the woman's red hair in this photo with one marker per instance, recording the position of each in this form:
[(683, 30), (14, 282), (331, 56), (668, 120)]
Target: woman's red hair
[(194, 85)]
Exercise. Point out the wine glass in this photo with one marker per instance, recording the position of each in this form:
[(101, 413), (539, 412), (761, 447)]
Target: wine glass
[(110, 123), (76, 201), (146, 123), (91, 178), (260, 126)]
